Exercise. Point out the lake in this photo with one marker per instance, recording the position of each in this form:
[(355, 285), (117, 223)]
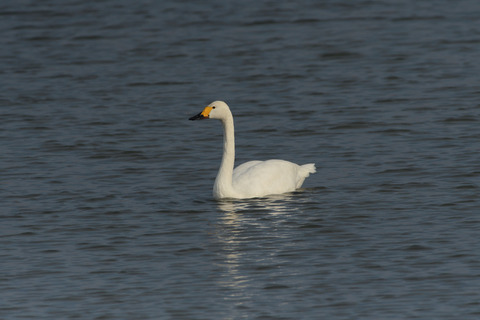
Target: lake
[(106, 195)]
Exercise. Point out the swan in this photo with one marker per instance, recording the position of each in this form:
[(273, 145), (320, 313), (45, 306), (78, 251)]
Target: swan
[(253, 178)]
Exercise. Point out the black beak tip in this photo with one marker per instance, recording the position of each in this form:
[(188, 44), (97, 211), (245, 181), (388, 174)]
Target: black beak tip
[(197, 117)]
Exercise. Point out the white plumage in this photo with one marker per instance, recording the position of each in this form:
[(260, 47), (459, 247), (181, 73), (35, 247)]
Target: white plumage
[(254, 178)]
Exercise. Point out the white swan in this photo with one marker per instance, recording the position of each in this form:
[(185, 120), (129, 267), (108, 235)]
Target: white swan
[(254, 178)]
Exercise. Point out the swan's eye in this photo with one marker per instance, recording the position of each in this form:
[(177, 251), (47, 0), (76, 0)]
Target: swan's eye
[(213, 107)]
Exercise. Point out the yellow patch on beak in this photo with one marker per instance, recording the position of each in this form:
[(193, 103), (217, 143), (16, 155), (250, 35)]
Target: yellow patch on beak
[(206, 111)]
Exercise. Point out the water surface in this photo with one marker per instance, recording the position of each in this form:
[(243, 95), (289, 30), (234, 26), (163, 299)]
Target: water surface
[(106, 205)]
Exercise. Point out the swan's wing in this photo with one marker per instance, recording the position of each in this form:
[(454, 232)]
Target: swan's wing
[(259, 178), (244, 167)]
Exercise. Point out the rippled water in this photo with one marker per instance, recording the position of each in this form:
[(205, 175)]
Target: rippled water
[(106, 205)]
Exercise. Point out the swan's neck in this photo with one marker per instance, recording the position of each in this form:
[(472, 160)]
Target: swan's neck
[(223, 183)]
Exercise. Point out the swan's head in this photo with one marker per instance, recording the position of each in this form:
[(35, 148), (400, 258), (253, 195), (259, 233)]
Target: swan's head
[(215, 110)]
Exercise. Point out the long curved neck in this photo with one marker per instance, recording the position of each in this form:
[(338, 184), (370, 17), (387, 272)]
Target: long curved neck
[(223, 183)]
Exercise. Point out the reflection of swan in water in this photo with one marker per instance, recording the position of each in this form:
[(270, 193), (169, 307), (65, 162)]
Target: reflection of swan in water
[(254, 235), (245, 225)]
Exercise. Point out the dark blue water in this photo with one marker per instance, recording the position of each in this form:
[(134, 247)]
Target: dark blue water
[(106, 187)]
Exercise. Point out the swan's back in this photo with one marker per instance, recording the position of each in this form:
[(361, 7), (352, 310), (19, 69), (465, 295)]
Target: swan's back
[(261, 178)]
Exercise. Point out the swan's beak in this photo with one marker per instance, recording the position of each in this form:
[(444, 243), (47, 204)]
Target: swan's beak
[(205, 114), (199, 116)]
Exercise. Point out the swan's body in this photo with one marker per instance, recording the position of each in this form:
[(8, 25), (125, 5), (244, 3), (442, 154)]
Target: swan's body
[(254, 178)]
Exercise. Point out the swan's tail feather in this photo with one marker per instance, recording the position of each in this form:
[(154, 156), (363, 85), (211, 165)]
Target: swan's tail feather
[(308, 168), (303, 172)]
